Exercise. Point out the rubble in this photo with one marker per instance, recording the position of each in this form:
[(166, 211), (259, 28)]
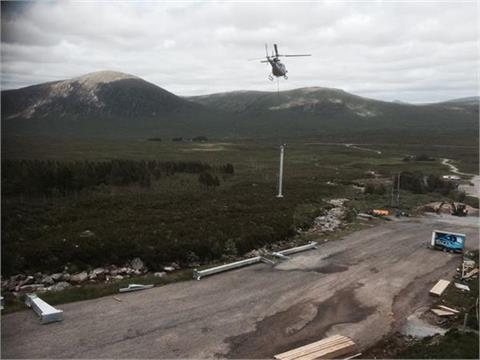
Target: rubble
[(332, 220), (18, 284)]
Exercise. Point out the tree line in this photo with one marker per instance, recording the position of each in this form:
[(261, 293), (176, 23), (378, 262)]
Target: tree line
[(50, 177)]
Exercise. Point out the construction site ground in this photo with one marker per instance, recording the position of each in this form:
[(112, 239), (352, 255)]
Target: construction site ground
[(362, 286)]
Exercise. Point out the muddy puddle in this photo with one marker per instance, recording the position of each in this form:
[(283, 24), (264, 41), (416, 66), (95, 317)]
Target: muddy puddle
[(300, 324)]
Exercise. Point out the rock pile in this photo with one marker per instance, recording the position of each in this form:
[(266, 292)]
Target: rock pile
[(39, 282), (332, 220)]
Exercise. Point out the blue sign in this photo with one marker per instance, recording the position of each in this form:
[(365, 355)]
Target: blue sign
[(449, 241)]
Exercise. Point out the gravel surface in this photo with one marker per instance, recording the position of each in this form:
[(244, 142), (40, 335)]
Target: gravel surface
[(362, 286)]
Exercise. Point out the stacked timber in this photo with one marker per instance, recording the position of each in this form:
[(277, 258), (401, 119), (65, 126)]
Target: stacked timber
[(329, 348), (439, 287)]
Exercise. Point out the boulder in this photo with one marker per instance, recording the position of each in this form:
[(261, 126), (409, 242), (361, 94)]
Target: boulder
[(62, 285), (31, 288), (79, 277), (160, 274), (56, 276), (98, 271), (47, 280), (28, 280), (175, 266), (137, 264), (118, 277), (66, 276), (168, 268)]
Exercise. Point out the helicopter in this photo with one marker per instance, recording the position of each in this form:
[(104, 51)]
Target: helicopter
[(278, 69)]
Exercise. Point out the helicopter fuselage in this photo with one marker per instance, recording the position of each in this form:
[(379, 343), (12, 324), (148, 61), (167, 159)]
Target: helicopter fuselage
[(278, 69)]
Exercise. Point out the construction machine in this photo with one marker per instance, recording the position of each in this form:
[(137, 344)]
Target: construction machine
[(457, 210)]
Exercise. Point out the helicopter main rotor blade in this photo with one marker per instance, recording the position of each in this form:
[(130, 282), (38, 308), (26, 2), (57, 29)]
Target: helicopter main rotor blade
[(276, 49), (257, 59), (296, 55), (266, 50)]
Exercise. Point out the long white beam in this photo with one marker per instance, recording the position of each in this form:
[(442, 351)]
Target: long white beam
[(135, 287), (198, 274), (46, 312), (311, 245)]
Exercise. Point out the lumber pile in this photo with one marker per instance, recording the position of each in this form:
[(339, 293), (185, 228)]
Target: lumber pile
[(439, 287), (329, 348)]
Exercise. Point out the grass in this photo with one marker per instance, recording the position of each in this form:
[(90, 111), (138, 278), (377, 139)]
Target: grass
[(95, 290), (178, 219), (454, 345)]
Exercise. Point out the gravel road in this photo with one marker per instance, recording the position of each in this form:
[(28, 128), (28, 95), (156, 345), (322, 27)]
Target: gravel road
[(362, 286)]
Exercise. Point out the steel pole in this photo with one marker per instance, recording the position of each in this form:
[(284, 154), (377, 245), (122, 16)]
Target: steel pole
[(280, 173)]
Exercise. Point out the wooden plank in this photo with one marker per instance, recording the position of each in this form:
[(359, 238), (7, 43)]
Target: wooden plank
[(353, 356), (314, 349), (330, 353), (440, 312), (336, 345), (330, 341), (471, 273), (305, 347), (439, 287), (448, 309)]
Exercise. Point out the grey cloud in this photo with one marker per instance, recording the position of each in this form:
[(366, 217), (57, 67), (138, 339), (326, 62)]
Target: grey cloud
[(393, 50)]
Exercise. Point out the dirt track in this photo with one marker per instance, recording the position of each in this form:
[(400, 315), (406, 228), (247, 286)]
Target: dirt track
[(361, 286)]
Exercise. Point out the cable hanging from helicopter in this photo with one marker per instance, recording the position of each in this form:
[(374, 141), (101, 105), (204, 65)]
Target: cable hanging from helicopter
[(278, 69)]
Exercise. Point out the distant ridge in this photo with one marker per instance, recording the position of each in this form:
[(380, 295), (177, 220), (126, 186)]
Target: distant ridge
[(118, 105)]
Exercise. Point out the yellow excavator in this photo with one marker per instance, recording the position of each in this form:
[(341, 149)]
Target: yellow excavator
[(457, 210)]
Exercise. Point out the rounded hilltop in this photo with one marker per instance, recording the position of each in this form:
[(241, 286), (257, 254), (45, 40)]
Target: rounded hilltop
[(104, 76)]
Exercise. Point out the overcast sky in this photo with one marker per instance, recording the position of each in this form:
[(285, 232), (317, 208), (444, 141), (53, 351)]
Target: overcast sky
[(409, 51)]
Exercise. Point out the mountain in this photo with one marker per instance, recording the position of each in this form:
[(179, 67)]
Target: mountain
[(104, 103), (471, 100), (326, 112), (117, 105)]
